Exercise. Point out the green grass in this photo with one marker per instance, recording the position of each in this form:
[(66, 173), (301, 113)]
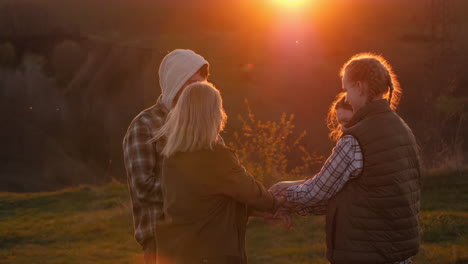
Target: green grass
[(94, 225)]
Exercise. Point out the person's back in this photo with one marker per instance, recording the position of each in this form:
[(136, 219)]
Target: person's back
[(205, 190), (370, 182), (374, 218), (142, 158)]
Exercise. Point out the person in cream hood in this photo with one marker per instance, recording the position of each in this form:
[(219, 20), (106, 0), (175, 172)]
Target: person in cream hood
[(143, 160)]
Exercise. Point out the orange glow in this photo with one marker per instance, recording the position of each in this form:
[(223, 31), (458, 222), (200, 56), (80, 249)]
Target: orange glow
[(291, 3)]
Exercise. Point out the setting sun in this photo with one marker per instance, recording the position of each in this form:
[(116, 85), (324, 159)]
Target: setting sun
[(293, 5), (290, 3), (294, 2)]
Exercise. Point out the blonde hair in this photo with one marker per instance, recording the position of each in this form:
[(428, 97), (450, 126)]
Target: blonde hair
[(195, 121), (332, 119), (377, 73)]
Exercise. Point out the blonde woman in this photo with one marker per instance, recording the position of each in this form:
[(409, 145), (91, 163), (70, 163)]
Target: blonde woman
[(206, 191)]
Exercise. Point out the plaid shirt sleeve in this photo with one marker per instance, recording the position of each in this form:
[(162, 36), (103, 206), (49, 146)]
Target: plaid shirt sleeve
[(143, 163), (140, 162), (344, 164)]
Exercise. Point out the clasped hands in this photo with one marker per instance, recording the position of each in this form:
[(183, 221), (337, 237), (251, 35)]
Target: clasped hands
[(285, 209)]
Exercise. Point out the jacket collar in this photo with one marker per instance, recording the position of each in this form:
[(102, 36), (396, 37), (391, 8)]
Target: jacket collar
[(372, 108)]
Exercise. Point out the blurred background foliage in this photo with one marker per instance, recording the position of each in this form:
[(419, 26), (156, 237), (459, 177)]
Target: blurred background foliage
[(73, 74)]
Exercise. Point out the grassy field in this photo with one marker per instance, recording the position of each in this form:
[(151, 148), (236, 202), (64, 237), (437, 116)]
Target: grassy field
[(94, 225)]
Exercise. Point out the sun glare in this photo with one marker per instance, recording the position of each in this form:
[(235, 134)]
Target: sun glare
[(291, 3)]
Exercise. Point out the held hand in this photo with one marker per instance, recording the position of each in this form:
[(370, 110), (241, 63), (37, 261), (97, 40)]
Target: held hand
[(280, 187), (282, 214), (282, 202), (286, 216), (268, 218)]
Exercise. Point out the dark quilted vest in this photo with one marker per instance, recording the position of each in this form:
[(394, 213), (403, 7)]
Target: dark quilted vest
[(374, 218)]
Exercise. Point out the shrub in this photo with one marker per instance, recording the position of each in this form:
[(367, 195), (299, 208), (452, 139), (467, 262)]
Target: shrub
[(270, 151)]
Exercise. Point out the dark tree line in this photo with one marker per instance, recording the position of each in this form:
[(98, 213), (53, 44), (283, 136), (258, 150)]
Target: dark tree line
[(69, 92)]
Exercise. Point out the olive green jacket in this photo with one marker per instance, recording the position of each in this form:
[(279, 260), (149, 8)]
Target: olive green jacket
[(206, 198)]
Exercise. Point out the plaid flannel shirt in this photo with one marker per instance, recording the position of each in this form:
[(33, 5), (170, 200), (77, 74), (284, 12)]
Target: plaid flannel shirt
[(344, 164), (143, 165)]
